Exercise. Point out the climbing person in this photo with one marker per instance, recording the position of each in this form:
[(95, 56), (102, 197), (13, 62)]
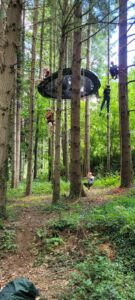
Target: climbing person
[(50, 119), (106, 98), (114, 70), (46, 73)]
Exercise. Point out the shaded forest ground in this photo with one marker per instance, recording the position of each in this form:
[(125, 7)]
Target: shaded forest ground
[(45, 243)]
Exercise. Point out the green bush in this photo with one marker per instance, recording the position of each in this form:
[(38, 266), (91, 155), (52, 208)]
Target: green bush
[(98, 278), (110, 180), (7, 240), (39, 187)]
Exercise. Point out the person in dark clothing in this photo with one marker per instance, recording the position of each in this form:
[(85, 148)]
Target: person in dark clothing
[(114, 71), (90, 179), (106, 98)]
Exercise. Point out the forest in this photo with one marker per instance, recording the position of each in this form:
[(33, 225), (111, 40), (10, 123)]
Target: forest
[(67, 149)]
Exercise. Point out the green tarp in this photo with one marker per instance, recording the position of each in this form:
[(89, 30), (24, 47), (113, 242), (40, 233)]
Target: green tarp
[(19, 289)]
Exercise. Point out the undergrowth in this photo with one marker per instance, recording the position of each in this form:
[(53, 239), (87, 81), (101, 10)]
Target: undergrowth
[(38, 188), (7, 240), (111, 180), (74, 238), (99, 276), (43, 187)]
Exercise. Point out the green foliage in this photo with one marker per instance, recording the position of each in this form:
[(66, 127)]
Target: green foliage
[(39, 187), (99, 278), (58, 207), (16, 193), (115, 222), (110, 180), (53, 242), (47, 244), (7, 240), (63, 224)]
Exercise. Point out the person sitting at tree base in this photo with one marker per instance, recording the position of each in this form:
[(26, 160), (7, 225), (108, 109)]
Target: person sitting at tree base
[(50, 119), (114, 70), (90, 179)]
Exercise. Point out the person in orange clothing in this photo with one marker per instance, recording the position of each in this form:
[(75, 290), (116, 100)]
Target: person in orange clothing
[(50, 119)]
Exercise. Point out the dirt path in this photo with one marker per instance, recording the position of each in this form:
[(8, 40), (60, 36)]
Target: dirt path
[(50, 281), (49, 278)]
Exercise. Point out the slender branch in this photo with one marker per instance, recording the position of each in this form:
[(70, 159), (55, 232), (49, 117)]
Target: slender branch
[(131, 35), (130, 110), (130, 26), (71, 12), (131, 41), (88, 10), (130, 81), (60, 5), (103, 27), (131, 66), (110, 13), (111, 22), (131, 50)]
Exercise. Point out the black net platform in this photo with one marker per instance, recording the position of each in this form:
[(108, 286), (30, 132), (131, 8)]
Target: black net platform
[(89, 84)]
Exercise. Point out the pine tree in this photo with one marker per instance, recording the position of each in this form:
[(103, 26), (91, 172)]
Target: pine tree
[(75, 171), (31, 104), (126, 159), (8, 60)]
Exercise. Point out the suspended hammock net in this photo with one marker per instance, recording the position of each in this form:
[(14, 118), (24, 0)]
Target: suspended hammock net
[(89, 84)]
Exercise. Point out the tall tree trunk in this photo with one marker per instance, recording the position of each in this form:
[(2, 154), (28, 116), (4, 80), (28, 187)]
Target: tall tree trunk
[(65, 154), (16, 134), (65, 128), (126, 159), (108, 82), (22, 76), (14, 110), (31, 105), (8, 61), (75, 174), (54, 69), (56, 179), (36, 147), (18, 137), (87, 105), (40, 72), (18, 106), (50, 136)]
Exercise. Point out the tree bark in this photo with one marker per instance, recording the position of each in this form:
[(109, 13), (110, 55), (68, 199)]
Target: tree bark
[(65, 142), (75, 173), (14, 141), (56, 179), (87, 106), (8, 61), (40, 73), (50, 137), (108, 82), (126, 159), (31, 105), (21, 167), (54, 29)]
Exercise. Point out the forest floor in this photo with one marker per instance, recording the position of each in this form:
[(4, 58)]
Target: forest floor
[(27, 250)]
